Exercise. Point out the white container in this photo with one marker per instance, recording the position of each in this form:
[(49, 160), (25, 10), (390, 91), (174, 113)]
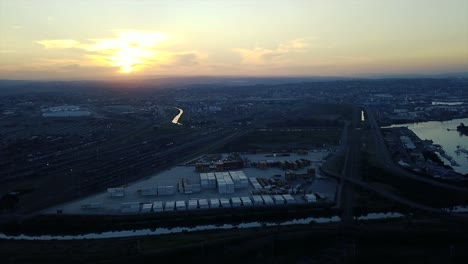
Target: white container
[(257, 200), (116, 192), (203, 203), (180, 205), (146, 208), (130, 207), (170, 206), (149, 191), (215, 203), (278, 199), (225, 203), (246, 201), (158, 206), (289, 199), (192, 204), (267, 200), (236, 201), (166, 190)]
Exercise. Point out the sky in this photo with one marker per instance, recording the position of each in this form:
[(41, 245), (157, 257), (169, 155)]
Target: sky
[(102, 39)]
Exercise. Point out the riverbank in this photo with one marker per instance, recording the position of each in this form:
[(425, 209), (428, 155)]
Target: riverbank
[(444, 134)]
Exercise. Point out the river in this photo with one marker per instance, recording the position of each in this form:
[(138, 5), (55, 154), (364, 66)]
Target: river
[(162, 231), (449, 140), (176, 118)]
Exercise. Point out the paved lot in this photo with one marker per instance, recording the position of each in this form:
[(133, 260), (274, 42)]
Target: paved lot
[(112, 205)]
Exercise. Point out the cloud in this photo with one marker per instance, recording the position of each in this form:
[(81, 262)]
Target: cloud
[(258, 56), (130, 51), (59, 43), (187, 58)]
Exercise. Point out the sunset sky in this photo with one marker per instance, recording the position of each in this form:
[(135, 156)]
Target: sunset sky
[(66, 39)]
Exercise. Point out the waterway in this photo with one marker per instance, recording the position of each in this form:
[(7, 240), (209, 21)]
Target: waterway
[(176, 118), (163, 231), (449, 140)]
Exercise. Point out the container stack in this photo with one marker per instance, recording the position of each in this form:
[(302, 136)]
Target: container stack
[(246, 201), (148, 191), (244, 182), (221, 185), (229, 183), (235, 178), (211, 180), (203, 203), (255, 183), (224, 183), (131, 207), (158, 206), (257, 200), (116, 192), (204, 183), (166, 190)]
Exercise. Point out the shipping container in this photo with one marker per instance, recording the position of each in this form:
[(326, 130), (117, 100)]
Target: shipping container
[(130, 207), (148, 191), (278, 199), (289, 199), (169, 206), (246, 201), (203, 203), (257, 200), (225, 202), (147, 207), (166, 190), (158, 206), (267, 200), (180, 205), (236, 201), (215, 203), (192, 204), (116, 192)]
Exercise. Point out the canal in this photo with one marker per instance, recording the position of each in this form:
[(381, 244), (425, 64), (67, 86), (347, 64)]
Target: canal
[(177, 117)]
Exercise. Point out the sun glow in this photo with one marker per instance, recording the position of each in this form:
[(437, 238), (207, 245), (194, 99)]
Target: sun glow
[(130, 50)]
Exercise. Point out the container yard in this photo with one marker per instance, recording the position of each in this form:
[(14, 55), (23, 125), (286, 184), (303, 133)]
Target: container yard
[(263, 180)]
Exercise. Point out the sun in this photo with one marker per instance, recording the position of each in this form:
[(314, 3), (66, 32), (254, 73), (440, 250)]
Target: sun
[(131, 50)]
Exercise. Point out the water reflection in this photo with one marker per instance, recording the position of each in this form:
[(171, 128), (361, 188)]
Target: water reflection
[(448, 139)]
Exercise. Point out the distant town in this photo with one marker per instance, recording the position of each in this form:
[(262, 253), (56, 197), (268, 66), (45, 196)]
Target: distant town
[(108, 157)]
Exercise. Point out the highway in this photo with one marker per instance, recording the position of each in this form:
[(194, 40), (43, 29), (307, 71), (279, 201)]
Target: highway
[(350, 175)]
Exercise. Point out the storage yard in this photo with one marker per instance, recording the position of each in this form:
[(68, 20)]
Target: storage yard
[(258, 180)]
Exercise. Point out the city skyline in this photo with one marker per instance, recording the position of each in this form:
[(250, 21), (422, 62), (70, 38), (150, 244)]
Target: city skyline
[(121, 39)]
